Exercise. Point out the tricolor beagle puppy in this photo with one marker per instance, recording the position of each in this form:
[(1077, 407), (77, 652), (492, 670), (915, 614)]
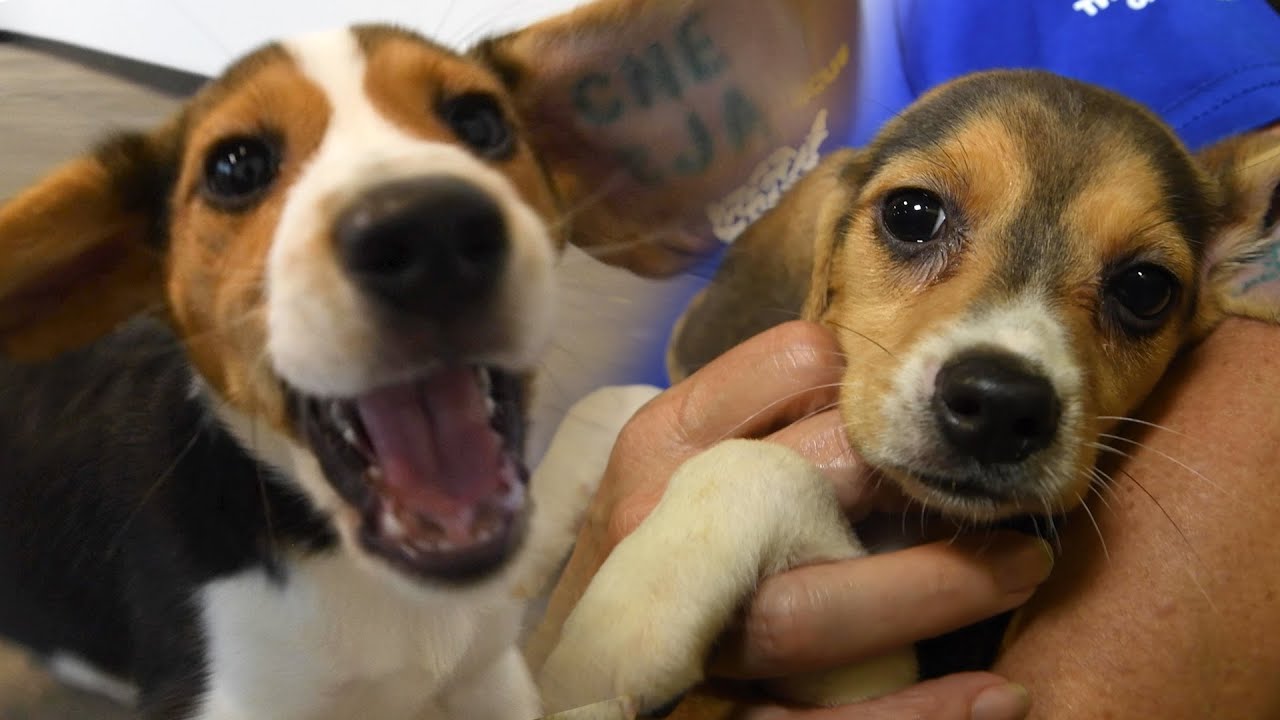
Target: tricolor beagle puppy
[(1009, 269), (268, 365)]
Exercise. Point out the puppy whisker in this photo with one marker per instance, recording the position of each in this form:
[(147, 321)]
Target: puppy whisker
[(775, 403), (862, 335), (1175, 461), (1144, 423), (1083, 505)]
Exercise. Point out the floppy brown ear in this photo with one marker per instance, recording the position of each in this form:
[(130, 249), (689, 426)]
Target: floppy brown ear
[(79, 251), (650, 114), (767, 273), (1241, 270)]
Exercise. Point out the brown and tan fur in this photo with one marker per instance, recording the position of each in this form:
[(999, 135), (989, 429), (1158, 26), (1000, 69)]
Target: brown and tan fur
[(262, 309), (131, 230), (1052, 189)]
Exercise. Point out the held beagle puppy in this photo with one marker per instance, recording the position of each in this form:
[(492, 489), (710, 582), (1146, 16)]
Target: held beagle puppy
[(1009, 269)]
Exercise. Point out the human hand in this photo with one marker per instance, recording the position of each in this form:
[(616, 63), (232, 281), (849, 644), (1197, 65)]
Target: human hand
[(782, 386)]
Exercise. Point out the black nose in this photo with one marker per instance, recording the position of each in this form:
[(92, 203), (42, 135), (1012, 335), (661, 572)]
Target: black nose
[(995, 409), (431, 247)]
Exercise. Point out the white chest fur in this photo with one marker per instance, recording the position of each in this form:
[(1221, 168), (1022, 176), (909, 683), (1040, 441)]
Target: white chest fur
[(334, 641)]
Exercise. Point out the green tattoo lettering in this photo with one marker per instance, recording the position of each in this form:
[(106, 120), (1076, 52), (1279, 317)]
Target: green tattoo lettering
[(1269, 264), (741, 118), (700, 53), (644, 73), (660, 77), (593, 100), (644, 78), (698, 157), (636, 161)]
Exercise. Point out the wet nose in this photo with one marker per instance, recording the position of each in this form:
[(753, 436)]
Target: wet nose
[(993, 408), (431, 247)]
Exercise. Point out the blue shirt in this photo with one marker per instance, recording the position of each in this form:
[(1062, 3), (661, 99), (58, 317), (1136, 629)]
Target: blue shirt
[(1209, 68)]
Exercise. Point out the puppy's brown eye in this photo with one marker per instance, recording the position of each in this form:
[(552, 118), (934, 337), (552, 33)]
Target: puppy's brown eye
[(1142, 295), (477, 120), (238, 170), (914, 215)]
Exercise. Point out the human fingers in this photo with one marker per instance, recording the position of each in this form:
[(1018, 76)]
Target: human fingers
[(773, 380), (825, 616), (823, 440), (965, 696)]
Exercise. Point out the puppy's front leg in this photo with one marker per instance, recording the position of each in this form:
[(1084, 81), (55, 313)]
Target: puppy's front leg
[(568, 474), (743, 510)]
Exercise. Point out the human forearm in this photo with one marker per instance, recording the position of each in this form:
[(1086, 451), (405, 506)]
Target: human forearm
[(1178, 616)]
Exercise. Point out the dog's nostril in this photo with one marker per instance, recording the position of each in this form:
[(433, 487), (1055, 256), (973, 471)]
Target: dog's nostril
[(480, 243), (965, 404), (431, 246), (389, 257), (992, 408), (1026, 427)]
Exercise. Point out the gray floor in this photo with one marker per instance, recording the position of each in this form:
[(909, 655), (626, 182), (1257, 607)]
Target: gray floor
[(50, 110)]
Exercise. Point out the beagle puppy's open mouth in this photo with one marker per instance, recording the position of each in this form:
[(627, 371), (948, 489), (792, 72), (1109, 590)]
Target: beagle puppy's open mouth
[(433, 466), (271, 361)]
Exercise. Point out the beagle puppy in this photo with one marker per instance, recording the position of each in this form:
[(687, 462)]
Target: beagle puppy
[(1009, 269)]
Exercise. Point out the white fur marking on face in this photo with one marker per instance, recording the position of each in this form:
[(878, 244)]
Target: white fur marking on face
[(1026, 328), (322, 336)]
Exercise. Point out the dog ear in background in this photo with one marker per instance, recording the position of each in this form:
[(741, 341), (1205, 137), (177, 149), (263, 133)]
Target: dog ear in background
[(80, 251), (1241, 270), (648, 112), (766, 274)]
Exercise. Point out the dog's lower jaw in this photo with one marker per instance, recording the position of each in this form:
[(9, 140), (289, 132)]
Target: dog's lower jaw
[(298, 466), (361, 637)]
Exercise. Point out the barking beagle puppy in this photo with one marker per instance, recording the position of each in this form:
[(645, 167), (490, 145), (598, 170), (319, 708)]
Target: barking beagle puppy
[(296, 489), (268, 365), (1009, 269)]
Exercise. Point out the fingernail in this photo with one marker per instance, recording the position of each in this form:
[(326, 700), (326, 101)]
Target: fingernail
[(1022, 564), (1002, 702)]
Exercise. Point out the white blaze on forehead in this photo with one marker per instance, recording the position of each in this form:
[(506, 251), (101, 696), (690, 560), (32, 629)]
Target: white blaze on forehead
[(1024, 327), (322, 335)]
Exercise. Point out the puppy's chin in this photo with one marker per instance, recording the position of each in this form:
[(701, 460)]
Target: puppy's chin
[(1051, 483)]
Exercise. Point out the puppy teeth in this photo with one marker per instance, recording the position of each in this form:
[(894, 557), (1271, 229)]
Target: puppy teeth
[(349, 435), (485, 380), (392, 525), (433, 546)]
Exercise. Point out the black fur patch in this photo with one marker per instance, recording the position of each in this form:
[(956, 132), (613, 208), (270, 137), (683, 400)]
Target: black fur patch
[(143, 170), (121, 497)]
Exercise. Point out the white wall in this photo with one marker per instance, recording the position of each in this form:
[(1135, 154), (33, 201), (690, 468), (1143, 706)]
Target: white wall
[(201, 36)]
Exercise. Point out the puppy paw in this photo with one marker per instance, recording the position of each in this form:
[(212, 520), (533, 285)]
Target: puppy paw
[(620, 652), (855, 683)]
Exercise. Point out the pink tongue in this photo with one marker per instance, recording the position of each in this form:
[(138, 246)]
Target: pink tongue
[(438, 454)]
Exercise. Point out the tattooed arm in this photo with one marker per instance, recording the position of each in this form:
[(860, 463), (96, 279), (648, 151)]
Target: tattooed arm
[(692, 111)]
